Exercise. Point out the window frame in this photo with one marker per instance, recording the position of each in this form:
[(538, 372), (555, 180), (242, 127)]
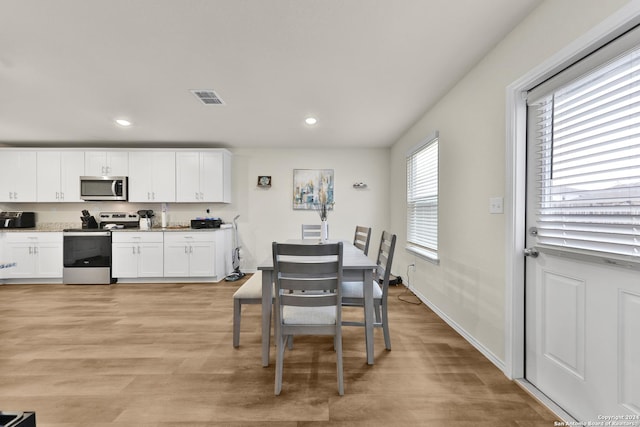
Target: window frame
[(422, 251)]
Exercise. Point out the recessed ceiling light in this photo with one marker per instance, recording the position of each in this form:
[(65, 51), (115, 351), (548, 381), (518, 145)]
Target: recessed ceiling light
[(311, 121), (123, 122)]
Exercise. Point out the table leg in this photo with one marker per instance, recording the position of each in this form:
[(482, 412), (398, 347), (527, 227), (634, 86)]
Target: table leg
[(368, 314), (267, 289)]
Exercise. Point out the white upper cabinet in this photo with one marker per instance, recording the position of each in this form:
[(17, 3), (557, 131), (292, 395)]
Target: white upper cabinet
[(58, 175), (152, 176), (203, 176), (155, 176), (106, 163), (18, 176)]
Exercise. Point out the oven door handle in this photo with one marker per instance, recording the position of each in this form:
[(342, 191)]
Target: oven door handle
[(85, 233)]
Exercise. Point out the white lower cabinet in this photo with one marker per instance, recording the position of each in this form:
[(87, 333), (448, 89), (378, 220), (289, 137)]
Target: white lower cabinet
[(189, 254), (137, 254), (33, 255), (205, 255)]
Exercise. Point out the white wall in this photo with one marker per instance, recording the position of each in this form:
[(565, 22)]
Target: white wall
[(267, 215), (469, 283)]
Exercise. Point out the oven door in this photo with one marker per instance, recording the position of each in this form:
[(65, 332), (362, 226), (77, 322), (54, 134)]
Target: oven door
[(86, 257)]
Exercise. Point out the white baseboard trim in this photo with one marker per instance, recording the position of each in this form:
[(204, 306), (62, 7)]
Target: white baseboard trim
[(459, 329)]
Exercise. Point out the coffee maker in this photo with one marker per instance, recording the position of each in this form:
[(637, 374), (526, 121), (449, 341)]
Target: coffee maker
[(145, 219)]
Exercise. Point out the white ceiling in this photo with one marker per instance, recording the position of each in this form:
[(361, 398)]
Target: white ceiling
[(367, 69)]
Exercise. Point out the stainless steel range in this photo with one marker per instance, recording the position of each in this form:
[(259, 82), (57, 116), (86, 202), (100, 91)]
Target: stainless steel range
[(87, 250)]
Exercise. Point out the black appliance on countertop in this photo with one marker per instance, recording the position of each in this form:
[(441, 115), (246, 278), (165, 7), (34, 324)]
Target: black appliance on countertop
[(206, 223), (17, 219)]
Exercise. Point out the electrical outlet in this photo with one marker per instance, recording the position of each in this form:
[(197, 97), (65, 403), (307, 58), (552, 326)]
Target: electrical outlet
[(496, 205)]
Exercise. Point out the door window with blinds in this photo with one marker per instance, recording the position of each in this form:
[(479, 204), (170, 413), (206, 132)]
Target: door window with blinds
[(422, 198), (586, 125)]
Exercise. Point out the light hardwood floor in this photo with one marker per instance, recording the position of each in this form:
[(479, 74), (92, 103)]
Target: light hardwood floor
[(161, 355)]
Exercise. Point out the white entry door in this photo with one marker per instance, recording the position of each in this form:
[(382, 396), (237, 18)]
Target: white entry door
[(582, 310), (583, 335)]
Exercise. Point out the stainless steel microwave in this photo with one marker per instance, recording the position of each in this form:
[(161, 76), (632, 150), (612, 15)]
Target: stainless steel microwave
[(103, 188)]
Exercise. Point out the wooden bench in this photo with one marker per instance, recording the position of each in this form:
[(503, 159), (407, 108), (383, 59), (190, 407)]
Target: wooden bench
[(249, 293)]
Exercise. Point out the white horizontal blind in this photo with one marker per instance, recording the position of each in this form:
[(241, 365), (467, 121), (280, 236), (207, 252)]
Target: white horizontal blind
[(422, 196), (589, 160)]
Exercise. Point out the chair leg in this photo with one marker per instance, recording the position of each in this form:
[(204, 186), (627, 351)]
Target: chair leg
[(338, 346), (385, 327), (281, 343), (290, 342), (376, 306), (237, 308)]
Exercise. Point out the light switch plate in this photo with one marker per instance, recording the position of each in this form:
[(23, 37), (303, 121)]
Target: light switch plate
[(496, 205)]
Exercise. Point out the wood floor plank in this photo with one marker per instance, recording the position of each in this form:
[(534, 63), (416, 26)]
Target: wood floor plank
[(159, 355)]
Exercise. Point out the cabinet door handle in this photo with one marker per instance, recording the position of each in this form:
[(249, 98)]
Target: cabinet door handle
[(57, 196), (35, 250), (138, 249), (15, 195), (62, 195), (133, 250), (30, 250), (153, 195), (190, 249), (186, 249)]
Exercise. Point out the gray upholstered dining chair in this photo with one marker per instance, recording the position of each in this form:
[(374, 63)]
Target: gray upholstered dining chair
[(361, 238), (314, 268), (311, 231), (352, 292)]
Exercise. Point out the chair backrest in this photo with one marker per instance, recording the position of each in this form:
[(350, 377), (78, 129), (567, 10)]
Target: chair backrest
[(362, 238), (311, 231), (300, 267), (385, 259)]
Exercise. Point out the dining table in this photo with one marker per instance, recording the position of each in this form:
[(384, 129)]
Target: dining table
[(356, 267)]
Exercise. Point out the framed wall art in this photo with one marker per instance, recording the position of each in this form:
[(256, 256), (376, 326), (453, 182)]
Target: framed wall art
[(264, 181), (312, 187)]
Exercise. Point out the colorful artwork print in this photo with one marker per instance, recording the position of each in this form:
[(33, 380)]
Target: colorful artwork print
[(312, 187)]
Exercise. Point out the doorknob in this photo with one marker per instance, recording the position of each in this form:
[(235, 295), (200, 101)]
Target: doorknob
[(532, 252)]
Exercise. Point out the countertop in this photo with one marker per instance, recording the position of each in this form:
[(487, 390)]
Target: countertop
[(60, 226)]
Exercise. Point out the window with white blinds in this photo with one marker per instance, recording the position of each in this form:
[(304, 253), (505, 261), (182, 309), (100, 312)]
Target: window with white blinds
[(588, 139), (422, 198)]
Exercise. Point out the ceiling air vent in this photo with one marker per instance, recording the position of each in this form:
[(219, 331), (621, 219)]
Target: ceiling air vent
[(208, 97)]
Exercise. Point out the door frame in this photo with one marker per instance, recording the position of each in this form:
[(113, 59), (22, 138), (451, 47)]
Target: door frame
[(515, 186)]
